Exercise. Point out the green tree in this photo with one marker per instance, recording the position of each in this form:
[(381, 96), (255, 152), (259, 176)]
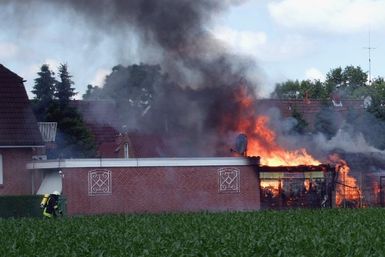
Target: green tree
[(377, 94), (313, 89), (347, 83), (350, 82), (354, 77), (73, 139), (43, 90), (300, 90), (64, 90), (334, 78), (288, 90)]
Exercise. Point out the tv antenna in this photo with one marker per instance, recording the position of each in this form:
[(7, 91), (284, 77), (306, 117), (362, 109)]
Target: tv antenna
[(370, 48)]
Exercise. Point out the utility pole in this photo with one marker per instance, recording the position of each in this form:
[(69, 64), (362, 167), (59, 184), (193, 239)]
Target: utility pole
[(370, 48)]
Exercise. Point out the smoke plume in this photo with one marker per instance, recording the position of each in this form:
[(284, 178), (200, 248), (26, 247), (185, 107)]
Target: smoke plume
[(176, 29), (196, 100), (201, 76)]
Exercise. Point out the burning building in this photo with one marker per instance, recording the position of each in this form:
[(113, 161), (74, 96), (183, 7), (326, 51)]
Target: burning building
[(200, 98), (367, 169), (310, 186)]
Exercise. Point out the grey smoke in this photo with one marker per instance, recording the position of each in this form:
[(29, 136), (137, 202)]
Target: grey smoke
[(202, 76), (346, 142), (176, 29)]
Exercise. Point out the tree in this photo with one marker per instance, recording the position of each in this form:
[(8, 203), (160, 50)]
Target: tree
[(133, 86), (133, 90), (93, 93), (301, 125), (64, 90), (334, 78), (300, 90), (354, 77), (377, 94), (347, 83), (73, 139), (44, 90), (287, 90)]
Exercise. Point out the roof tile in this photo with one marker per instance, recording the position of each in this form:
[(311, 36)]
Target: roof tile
[(18, 125)]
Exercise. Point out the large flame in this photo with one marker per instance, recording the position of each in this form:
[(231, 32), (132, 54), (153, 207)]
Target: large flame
[(262, 142), (348, 193)]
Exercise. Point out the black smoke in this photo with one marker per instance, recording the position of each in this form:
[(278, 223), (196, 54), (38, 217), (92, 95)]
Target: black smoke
[(193, 99), (194, 96), (176, 31), (189, 106)]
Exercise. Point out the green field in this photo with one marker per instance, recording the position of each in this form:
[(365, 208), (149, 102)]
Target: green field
[(331, 232)]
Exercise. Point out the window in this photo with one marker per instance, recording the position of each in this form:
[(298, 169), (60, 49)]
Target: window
[(1, 169), (126, 152)]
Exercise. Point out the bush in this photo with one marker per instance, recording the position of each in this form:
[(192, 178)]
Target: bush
[(20, 206)]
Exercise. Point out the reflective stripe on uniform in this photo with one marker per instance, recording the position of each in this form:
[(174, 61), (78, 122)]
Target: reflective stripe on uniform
[(49, 215)]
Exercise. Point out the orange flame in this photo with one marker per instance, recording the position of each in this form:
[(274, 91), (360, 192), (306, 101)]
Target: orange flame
[(262, 142), (271, 186), (347, 190)]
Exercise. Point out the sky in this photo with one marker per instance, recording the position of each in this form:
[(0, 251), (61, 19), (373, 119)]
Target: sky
[(289, 39)]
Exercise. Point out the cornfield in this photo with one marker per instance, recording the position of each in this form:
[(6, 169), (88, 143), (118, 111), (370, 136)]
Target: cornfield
[(329, 232)]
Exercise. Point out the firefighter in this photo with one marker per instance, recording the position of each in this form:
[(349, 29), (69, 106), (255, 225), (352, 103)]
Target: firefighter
[(50, 204)]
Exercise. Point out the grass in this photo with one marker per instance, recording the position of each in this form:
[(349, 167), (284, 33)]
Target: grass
[(329, 232)]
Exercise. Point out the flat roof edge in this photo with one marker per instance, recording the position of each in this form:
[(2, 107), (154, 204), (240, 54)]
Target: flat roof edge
[(21, 146), (141, 162)]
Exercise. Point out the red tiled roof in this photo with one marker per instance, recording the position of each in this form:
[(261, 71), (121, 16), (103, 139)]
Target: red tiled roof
[(310, 105), (102, 133), (148, 145), (107, 150), (18, 125), (101, 119), (141, 146), (309, 108)]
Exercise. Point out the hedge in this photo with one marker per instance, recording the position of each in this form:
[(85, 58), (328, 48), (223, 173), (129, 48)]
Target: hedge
[(21, 206)]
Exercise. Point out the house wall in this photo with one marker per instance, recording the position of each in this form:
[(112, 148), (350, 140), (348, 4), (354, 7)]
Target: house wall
[(160, 189), (17, 180)]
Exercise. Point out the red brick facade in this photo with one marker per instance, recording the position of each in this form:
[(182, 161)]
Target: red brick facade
[(17, 180), (161, 189)]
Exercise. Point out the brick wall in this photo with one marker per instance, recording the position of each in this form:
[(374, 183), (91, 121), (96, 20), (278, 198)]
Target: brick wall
[(160, 189), (16, 178)]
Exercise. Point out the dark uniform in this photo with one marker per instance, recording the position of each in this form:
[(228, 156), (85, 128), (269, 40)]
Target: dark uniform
[(50, 203)]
